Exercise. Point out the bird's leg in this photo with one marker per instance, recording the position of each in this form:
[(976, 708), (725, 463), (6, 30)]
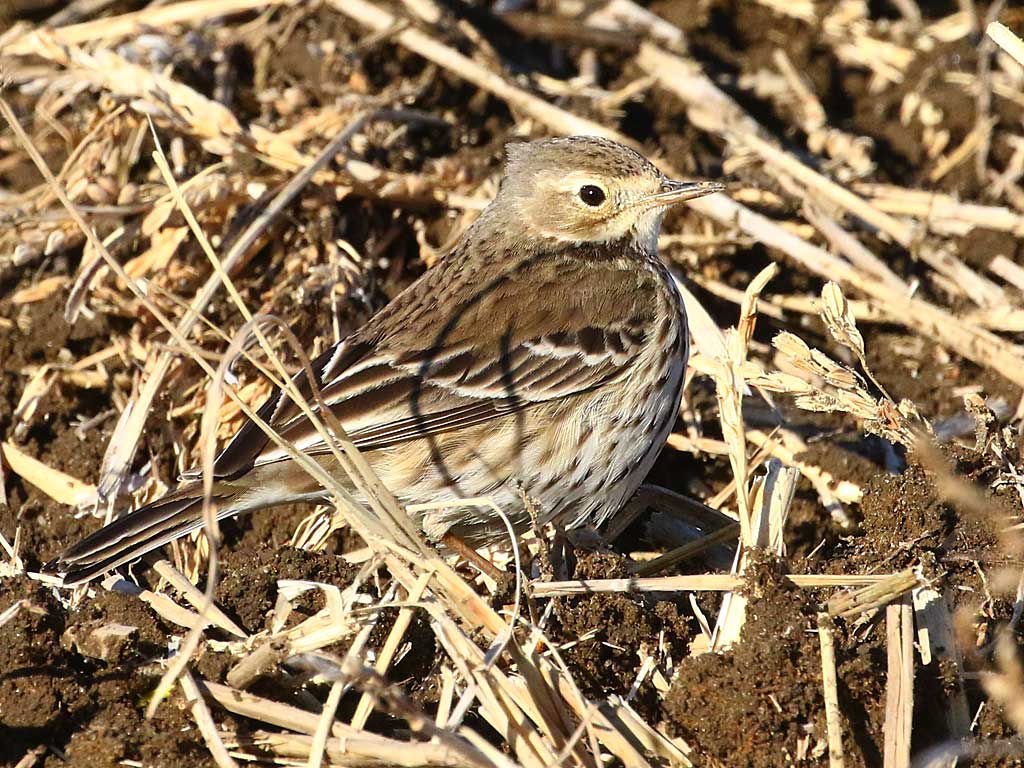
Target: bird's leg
[(669, 502), (457, 544), (695, 526), (682, 507), (633, 508), (563, 556)]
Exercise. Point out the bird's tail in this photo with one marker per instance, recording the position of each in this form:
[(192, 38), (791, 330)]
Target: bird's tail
[(133, 535)]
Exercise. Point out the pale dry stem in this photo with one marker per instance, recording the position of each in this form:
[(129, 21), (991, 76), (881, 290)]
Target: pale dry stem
[(899, 690), (830, 687)]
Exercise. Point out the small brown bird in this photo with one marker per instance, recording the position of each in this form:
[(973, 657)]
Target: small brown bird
[(544, 354)]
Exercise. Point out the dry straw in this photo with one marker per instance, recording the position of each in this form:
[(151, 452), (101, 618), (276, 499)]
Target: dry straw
[(520, 689)]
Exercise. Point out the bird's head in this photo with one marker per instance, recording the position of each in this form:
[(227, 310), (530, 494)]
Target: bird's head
[(589, 190)]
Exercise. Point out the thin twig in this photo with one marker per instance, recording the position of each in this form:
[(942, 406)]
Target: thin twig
[(205, 722), (711, 582), (1006, 40), (830, 686), (899, 690), (323, 728), (194, 12)]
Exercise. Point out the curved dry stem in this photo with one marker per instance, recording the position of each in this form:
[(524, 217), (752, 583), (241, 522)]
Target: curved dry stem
[(348, 456), (365, 479), (116, 464), (486, 501), (207, 455)]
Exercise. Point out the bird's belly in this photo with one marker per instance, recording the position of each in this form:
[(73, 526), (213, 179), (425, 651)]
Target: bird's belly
[(623, 436), (574, 463)]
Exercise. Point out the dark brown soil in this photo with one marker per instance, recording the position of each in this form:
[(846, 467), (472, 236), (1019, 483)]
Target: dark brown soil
[(943, 510), (768, 688), (610, 634), (85, 711)]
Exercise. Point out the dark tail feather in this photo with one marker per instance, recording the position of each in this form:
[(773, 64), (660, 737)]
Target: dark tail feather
[(132, 536)]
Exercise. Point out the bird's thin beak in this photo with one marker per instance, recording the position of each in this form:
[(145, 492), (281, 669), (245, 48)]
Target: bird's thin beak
[(673, 192)]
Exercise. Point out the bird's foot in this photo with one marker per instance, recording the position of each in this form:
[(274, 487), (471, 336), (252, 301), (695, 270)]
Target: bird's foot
[(458, 545)]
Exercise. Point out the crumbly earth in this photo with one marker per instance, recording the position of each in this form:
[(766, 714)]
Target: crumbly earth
[(943, 510)]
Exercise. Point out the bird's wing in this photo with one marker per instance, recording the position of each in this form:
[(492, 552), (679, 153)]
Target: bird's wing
[(455, 351)]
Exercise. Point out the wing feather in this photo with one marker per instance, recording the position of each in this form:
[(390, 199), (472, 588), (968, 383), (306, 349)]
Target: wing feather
[(485, 359)]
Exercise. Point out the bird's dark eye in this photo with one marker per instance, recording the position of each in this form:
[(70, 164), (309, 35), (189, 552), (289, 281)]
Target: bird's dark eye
[(591, 195)]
